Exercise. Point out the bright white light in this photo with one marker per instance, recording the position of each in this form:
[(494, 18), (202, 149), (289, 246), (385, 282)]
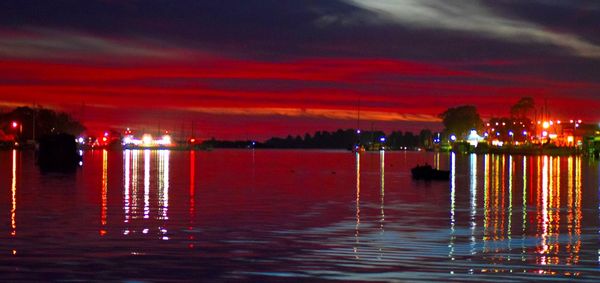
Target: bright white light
[(452, 137), (147, 139), (80, 140), (510, 133)]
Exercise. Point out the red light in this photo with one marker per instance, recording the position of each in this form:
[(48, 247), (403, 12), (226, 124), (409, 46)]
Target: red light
[(192, 140), (15, 125)]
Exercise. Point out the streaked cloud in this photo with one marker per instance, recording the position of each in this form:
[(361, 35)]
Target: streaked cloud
[(53, 44), (339, 114), (474, 17)]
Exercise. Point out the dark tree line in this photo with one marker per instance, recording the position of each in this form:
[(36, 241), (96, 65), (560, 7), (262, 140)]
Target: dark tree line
[(39, 120), (339, 139)]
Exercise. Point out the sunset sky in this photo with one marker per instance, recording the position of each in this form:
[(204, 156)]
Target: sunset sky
[(254, 69)]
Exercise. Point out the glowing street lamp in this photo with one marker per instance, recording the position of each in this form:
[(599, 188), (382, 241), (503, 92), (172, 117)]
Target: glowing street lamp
[(545, 125), (15, 124), (453, 137)]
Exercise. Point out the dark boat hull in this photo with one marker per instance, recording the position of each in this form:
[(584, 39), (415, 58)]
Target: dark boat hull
[(428, 173)]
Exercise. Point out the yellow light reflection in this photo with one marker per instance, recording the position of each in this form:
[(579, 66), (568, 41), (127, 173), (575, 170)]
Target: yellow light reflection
[(13, 210), (104, 192), (486, 199), (544, 211)]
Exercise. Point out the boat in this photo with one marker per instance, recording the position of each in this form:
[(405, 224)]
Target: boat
[(58, 153), (426, 172)]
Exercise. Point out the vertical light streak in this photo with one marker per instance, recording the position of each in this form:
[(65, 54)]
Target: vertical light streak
[(452, 203), (126, 184), (382, 189), (134, 182), (356, 228), (104, 196), (192, 201), (524, 225), (146, 183), (382, 195), (578, 214), (473, 211), (510, 197), (163, 184), (544, 236), (13, 189), (486, 200)]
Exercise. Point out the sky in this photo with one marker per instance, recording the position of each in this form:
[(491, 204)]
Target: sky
[(251, 69)]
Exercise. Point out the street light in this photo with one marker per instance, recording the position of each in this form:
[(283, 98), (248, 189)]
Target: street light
[(15, 124)]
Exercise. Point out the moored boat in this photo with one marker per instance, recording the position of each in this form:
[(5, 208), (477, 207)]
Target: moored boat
[(426, 172)]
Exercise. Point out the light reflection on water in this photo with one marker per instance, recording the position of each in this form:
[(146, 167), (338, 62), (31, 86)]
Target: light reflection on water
[(267, 214)]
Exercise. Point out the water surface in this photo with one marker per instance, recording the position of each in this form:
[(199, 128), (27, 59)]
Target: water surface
[(266, 215)]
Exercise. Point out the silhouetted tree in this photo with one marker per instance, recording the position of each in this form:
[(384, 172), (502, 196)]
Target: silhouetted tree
[(522, 108), (461, 120)]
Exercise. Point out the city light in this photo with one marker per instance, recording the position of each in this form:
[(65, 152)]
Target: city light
[(15, 124), (545, 125), (148, 141), (382, 139), (453, 137)]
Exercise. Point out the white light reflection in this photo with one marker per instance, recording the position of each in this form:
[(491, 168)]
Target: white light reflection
[(510, 198), (382, 193), (126, 184), (452, 203), (134, 182), (146, 183), (163, 189), (473, 211)]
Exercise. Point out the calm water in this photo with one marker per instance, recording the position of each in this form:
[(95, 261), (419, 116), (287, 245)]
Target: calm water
[(267, 215)]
